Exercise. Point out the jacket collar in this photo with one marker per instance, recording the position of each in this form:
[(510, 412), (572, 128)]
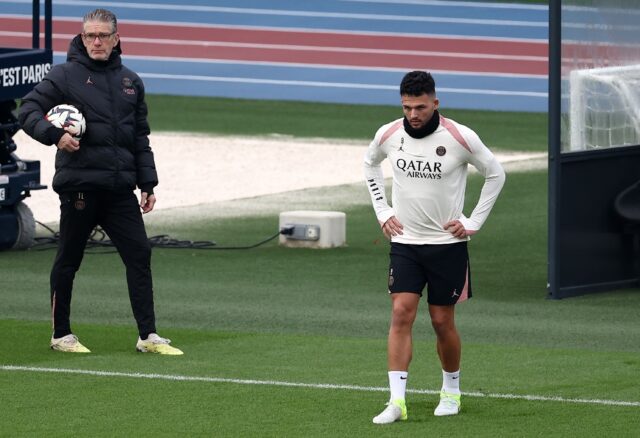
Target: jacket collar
[(78, 53)]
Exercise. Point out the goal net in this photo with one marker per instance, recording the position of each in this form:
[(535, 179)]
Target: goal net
[(604, 107)]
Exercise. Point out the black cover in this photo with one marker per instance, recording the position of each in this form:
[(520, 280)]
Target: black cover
[(114, 152)]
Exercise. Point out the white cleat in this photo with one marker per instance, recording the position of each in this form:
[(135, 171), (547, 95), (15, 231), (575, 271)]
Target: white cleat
[(395, 410), (449, 405)]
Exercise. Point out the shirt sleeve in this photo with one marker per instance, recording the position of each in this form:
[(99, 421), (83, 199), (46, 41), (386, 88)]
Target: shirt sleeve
[(494, 177), (374, 178)]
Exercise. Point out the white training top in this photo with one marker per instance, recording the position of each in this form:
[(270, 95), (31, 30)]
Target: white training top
[(429, 180)]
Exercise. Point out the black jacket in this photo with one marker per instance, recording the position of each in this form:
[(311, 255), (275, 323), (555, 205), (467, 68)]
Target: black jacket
[(114, 152)]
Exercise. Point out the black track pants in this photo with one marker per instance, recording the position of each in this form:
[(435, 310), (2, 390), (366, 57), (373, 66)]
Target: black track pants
[(118, 213)]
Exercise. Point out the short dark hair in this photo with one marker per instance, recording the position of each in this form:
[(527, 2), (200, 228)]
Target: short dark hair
[(417, 83)]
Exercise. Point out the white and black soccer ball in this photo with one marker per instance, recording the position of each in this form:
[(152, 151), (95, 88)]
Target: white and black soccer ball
[(69, 118)]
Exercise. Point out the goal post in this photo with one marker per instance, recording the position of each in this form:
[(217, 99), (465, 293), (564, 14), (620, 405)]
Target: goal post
[(604, 107), (594, 146)]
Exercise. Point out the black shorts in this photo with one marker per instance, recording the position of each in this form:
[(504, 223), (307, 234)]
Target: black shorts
[(444, 269)]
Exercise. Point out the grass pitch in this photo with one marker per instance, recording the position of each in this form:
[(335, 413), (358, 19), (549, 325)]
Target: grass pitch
[(501, 130), (253, 323), (318, 317)]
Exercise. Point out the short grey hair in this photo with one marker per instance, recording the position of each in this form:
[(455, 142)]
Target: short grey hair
[(102, 15)]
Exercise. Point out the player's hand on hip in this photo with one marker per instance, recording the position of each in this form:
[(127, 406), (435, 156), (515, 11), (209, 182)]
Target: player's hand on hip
[(392, 227), (68, 144), (458, 230), (147, 202)]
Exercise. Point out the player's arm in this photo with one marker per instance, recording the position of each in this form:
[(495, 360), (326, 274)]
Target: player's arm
[(494, 177), (374, 179)]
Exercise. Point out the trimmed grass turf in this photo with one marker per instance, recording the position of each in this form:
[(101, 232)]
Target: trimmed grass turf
[(107, 406), (499, 130), (320, 317)]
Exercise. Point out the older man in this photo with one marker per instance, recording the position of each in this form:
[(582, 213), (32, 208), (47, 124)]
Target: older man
[(96, 176)]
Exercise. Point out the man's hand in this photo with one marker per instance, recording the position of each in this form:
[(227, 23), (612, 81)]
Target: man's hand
[(392, 227), (457, 229), (147, 202), (68, 144)]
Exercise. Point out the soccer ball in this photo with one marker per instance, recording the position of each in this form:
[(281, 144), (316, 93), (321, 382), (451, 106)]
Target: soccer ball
[(69, 118)]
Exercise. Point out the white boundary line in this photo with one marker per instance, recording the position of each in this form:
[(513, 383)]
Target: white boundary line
[(323, 66), (298, 47), (295, 13), (461, 4), (173, 377), (146, 75), (541, 41)]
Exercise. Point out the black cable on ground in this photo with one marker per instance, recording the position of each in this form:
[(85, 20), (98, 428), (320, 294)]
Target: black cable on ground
[(98, 243)]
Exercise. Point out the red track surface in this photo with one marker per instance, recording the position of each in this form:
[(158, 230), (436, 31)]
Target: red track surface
[(319, 48)]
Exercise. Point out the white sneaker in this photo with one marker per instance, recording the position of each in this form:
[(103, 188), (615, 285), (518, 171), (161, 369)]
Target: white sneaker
[(68, 344), (156, 344), (449, 404), (395, 410)]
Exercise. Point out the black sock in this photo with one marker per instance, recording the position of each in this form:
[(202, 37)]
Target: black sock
[(60, 334)]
